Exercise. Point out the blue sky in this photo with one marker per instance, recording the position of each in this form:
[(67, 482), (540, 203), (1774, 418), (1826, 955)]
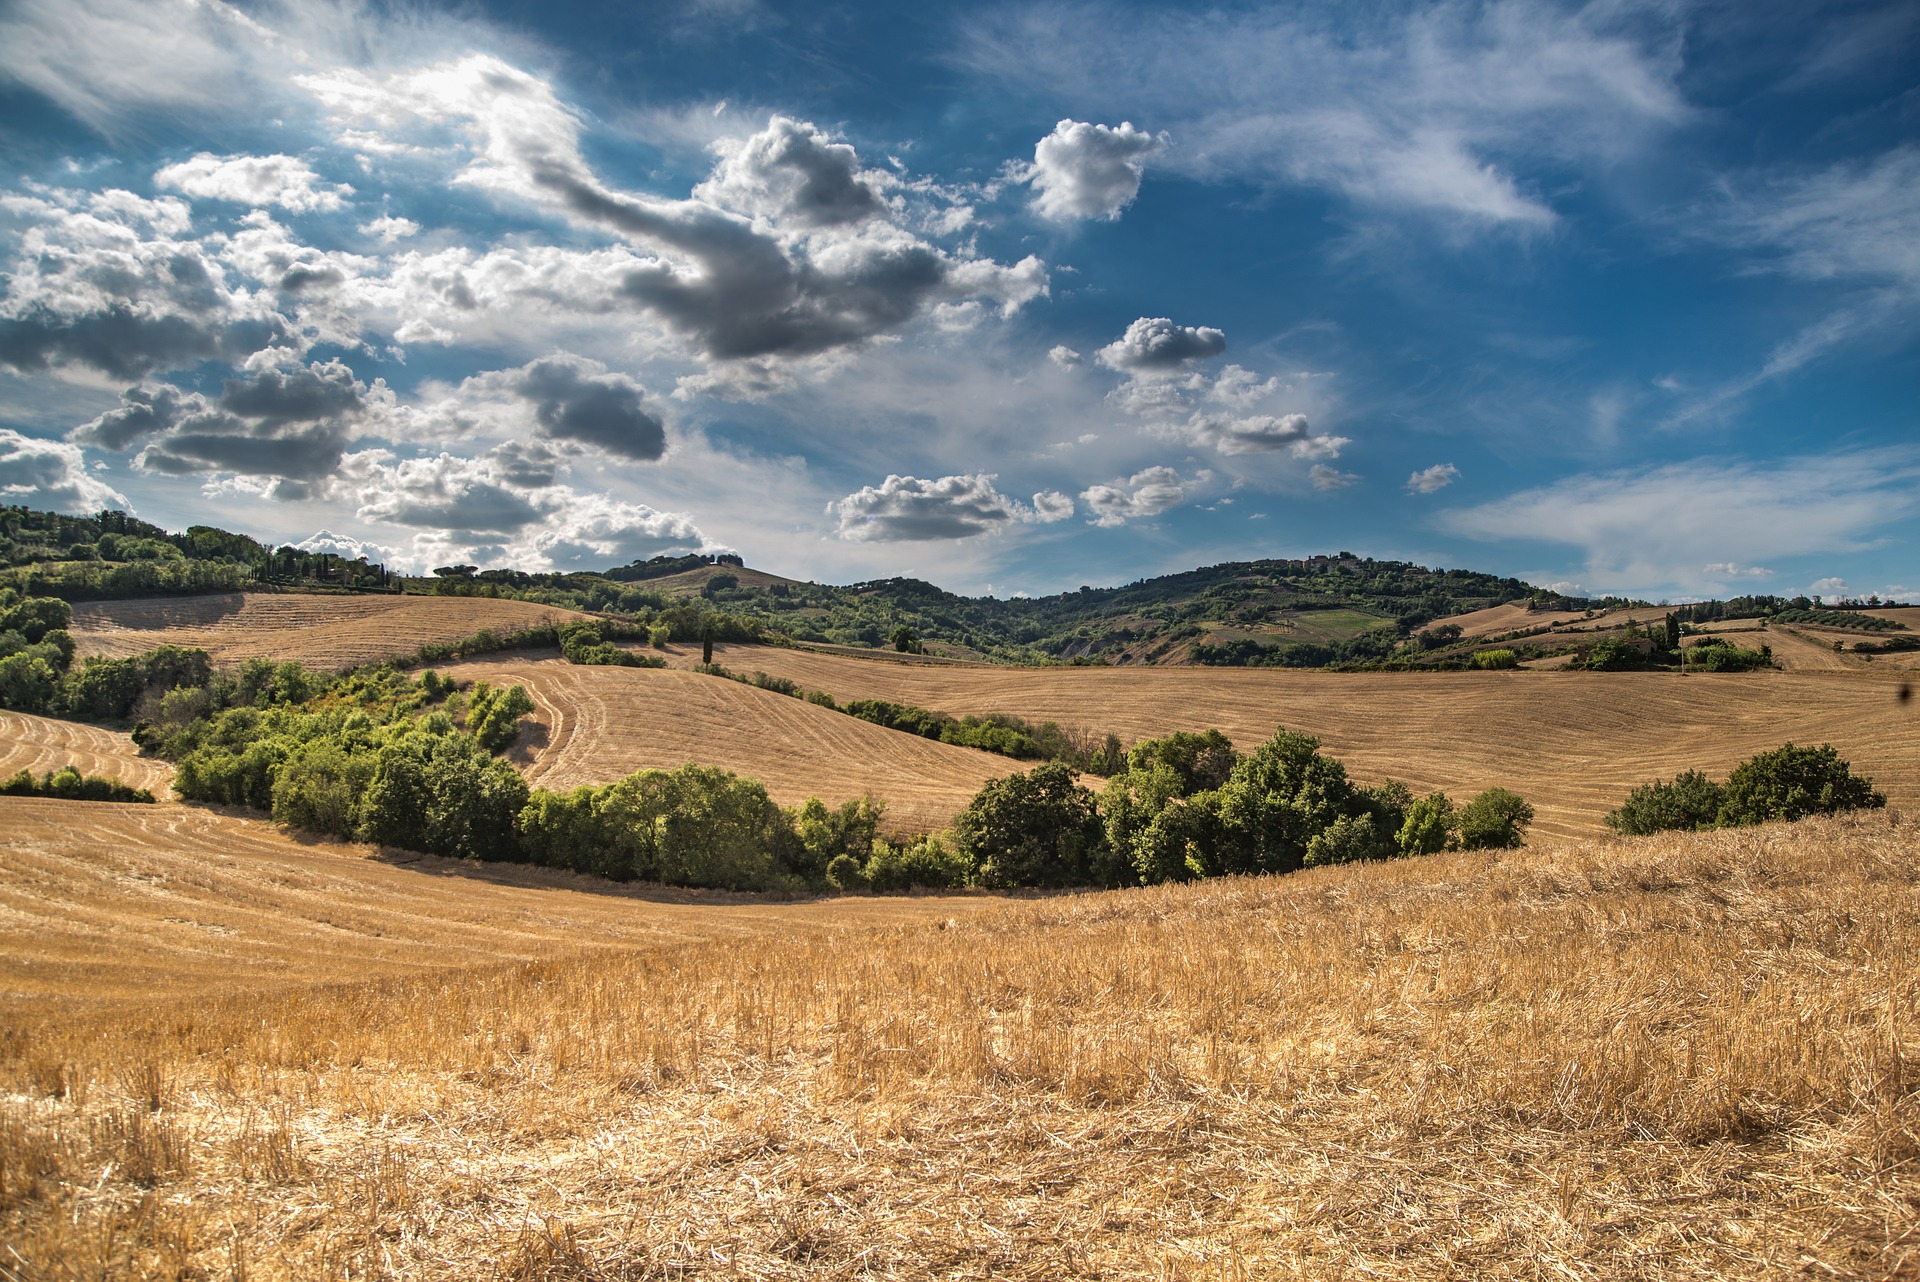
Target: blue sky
[(1619, 297)]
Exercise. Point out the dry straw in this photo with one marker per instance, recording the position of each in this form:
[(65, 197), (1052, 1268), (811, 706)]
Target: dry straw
[(1678, 1057)]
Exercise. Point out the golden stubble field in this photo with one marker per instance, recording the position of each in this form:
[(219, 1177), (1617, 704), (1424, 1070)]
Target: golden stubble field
[(1683, 1057), (1573, 743), (320, 630), (44, 744)]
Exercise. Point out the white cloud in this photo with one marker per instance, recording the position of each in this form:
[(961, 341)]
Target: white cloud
[(1463, 111), (1330, 478), (1146, 493), (1085, 170), (1852, 220), (51, 474), (1733, 570), (1828, 587), (1154, 344), (1063, 356), (387, 229), (1645, 529), (286, 181), (1428, 480), (346, 545), (907, 509)]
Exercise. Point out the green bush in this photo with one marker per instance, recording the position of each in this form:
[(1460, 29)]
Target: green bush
[(493, 715), (1792, 783), (1041, 828), (1495, 659), (1692, 801), (845, 873), (1494, 820), (1428, 827), (928, 864), (68, 784)]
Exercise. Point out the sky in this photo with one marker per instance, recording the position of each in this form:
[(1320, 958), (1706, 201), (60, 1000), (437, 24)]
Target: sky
[(1619, 298)]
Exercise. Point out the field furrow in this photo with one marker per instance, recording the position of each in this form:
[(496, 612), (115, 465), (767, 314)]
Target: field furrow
[(41, 744), (602, 723)]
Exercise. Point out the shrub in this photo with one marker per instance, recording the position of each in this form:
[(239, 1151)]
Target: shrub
[(1692, 801), (845, 873), (1040, 828), (1494, 820), (1349, 839), (658, 635), (320, 786), (926, 864), (1716, 655), (68, 784), (1495, 659), (1428, 826), (444, 795), (493, 715), (1792, 783)]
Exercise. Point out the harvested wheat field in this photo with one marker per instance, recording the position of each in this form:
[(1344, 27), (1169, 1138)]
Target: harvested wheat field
[(104, 901), (598, 724), (1688, 1057), (42, 744), (1572, 743), (315, 629)]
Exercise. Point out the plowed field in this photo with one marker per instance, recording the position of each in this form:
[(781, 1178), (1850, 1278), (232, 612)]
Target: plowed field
[(1573, 743), (321, 631), (110, 901), (601, 723), (41, 744)]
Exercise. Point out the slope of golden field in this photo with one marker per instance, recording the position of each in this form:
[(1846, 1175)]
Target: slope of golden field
[(101, 901), (316, 629), (42, 744), (1572, 743), (1688, 1057), (598, 724), (1511, 617)]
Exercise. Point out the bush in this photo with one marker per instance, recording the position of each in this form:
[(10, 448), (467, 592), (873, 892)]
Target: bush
[(1349, 839), (1692, 801), (928, 864), (1494, 820), (1428, 826), (1041, 828), (1495, 659), (493, 715), (1792, 783), (68, 784), (1716, 655), (845, 873), (443, 794)]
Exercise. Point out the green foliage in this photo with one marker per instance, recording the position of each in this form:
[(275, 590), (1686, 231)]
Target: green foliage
[(33, 617), (1621, 654), (1792, 783), (1839, 619), (1692, 801), (68, 784), (1041, 828), (28, 683), (493, 715), (907, 641), (586, 643), (1716, 654), (1494, 660), (845, 873), (929, 864), (442, 793), (321, 787), (1495, 820), (1200, 760), (1428, 827), (659, 635), (1350, 839)]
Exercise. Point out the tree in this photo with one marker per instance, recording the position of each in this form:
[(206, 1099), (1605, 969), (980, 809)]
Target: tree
[(906, 641), (1428, 826), (1494, 820), (1692, 801), (1792, 783), (1279, 798), (1041, 828)]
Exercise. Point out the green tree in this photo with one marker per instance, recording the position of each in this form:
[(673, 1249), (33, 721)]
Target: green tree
[(1428, 826), (1494, 820), (1041, 828), (1792, 783), (1692, 801)]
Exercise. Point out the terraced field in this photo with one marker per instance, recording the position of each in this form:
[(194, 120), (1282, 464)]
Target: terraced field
[(41, 744), (1573, 743), (601, 723), (318, 630), (101, 901)]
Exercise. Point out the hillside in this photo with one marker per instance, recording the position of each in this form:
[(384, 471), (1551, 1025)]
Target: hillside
[(1573, 743), (1688, 1057), (100, 903), (598, 724), (322, 631), (43, 745)]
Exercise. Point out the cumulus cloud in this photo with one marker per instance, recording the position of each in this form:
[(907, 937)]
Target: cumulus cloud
[(345, 545), (576, 401), (1733, 570), (1461, 111), (1437, 477), (1063, 356), (1330, 478), (791, 172), (1146, 493), (286, 181), (113, 288), (291, 422), (1828, 587), (51, 474), (815, 264), (1084, 170), (1645, 530), (1257, 434), (905, 509), (388, 229), (1154, 344)]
